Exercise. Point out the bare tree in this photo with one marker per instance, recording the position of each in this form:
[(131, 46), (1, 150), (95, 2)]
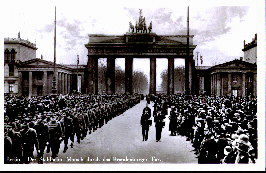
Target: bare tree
[(179, 79)]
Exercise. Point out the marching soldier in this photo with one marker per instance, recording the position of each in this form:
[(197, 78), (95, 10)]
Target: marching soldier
[(69, 131), (159, 124), (43, 136), (55, 138), (29, 139), (145, 122)]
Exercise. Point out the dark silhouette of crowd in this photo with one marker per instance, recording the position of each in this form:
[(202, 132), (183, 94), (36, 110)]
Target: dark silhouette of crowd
[(39, 123), (221, 129)]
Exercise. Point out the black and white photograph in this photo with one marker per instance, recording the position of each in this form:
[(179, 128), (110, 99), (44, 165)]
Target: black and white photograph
[(117, 83)]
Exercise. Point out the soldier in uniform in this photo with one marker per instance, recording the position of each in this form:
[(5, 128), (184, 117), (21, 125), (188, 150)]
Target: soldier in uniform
[(145, 122), (159, 124), (173, 121), (17, 146), (55, 134), (68, 130), (43, 136), (29, 139)]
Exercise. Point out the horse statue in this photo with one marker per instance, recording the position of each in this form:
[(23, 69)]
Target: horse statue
[(150, 27), (131, 27)]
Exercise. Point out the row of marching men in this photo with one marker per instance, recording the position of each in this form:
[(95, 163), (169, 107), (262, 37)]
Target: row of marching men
[(44, 132), (221, 129)]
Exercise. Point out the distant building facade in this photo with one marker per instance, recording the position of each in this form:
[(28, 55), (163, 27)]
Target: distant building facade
[(233, 78), (26, 75), (250, 50)]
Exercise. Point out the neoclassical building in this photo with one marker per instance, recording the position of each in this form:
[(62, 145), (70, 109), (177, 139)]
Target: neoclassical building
[(27, 75), (237, 77)]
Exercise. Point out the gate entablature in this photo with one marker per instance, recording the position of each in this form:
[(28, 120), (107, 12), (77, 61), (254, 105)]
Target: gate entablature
[(139, 45)]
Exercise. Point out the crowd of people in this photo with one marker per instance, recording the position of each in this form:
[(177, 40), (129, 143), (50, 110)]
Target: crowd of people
[(39, 123), (221, 129)]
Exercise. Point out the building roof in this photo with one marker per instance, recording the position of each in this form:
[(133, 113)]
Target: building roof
[(23, 42), (236, 64), (41, 61), (250, 45)]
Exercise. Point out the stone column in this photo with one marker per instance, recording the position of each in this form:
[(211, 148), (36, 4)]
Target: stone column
[(255, 84), (229, 84), (95, 75), (170, 76), (152, 75), (45, 84), (110, 76), (128, 75), (211, 85), (188, 75), (65, 80), (68, 83), (20, 80), (92, 76), (30, 83), (243, 84), (218, 92), (61, 83)]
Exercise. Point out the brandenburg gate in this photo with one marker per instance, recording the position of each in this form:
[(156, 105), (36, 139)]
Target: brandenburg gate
[(140, 42)]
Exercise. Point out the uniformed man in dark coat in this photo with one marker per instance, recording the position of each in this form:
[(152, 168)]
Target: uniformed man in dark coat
[(173, 121), (159, 124), (55, 134), (29, 139), (145, 122), (43, 137), (69, 131)]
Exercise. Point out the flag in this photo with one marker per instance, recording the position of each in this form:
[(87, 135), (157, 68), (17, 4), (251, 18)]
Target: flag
[(201, 60)]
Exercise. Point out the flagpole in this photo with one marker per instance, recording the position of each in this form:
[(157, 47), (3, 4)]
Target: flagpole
[(54, 87)]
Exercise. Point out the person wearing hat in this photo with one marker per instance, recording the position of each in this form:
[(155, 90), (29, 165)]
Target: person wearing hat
[(17, 146), (159, 124), (29, 140), (145, 122), (55, 135), (69, 131), (173, 121), (43, 137)]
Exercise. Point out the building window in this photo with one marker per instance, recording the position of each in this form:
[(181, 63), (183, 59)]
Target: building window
[(11, 69), (11, 88), (13, 55), (7, 56)]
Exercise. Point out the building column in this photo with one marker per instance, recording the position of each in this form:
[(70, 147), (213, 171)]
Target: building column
[(188, 75), (20, 80), (95, 74), (211, 84), (170, 76), (65, 80), (255, 84), (218, 92), (152, 75), (110, 76), (128, 75), (30, 83), (229, 84), (61, 83), (243, 84), (45, 89), (68, 83), (92, 75)]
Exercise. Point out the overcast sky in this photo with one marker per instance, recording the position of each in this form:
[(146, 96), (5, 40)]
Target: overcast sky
[(219, 30)]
